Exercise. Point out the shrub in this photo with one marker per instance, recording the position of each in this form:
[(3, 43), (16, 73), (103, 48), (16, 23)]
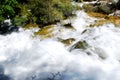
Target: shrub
[(7, 9), (50, 11)]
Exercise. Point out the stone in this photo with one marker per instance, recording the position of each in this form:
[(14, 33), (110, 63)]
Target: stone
[(80, 45), (5, 28), (66, 41)]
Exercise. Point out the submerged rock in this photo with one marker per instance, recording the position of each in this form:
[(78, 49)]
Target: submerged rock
[(2, 75)]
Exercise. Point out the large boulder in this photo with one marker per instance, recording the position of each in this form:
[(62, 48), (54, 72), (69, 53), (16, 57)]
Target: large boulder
[(6, 28), (100, 7)]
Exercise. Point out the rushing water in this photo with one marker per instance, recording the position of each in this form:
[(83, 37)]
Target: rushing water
[(25, 57)]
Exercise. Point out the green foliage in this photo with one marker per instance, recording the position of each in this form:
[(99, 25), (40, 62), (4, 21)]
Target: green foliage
[(50, 11), (42, 12), (1, 19), (19, 20), (7, 8), (65, 7)]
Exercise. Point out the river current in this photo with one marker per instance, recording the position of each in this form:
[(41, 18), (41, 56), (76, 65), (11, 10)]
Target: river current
[(26, 57)]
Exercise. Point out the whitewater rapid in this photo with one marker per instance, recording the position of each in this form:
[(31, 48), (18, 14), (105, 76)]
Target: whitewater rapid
[(26, 57)]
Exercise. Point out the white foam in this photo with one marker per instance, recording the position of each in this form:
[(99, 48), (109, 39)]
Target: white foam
[(25, 57)]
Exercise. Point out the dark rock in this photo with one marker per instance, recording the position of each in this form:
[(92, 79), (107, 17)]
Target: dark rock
[(104, 8), (2, 75), (100, 7), (68, 25), (118, 5), (80, 45), (5, 28)]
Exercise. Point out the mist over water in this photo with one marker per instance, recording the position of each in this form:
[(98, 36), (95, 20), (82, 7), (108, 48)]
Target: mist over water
[(25, 57)]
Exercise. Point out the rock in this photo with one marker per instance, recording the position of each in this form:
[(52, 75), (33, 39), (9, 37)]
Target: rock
[(117, 22), (66, 41), (116, 13), (103, 8), (80, 45), (84, 31), (45, 32), (5, 28), (2, 75), (118, 5), (68, 25), (100, 7)]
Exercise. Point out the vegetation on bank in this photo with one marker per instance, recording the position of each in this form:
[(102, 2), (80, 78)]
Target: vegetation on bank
[(46, 12), (41, 12)]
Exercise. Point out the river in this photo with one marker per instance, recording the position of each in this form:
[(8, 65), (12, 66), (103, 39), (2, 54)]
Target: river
[(26, 57)]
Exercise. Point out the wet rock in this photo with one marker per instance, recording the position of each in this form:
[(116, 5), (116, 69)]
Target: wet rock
[(68, 25), (118, 5), (5, 28), (116, 13), (80, 45), (97, 15), (104, 8), (100, 6), (2, 75), (67, 41), (45, 32), (30, 25), (84, 31), (88, 8)]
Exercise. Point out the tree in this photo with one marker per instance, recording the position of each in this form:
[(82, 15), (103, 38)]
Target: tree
[(7, 9), (50, 11)]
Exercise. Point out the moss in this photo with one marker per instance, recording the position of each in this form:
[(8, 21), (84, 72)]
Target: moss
[(100, 23), (88, 7), (67, 41), (45, 32), (96, 15), (81, 45), (111, 19), (31, 25), (104, 19)]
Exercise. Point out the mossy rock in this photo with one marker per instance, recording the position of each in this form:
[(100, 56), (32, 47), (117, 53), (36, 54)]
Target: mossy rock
[(66, 41), (45, 32), (68, 25), (97, 15), (105, 19), (81, 45), (100, 23), (100, 7), (30, 25), (104, 9), (88, 7)]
